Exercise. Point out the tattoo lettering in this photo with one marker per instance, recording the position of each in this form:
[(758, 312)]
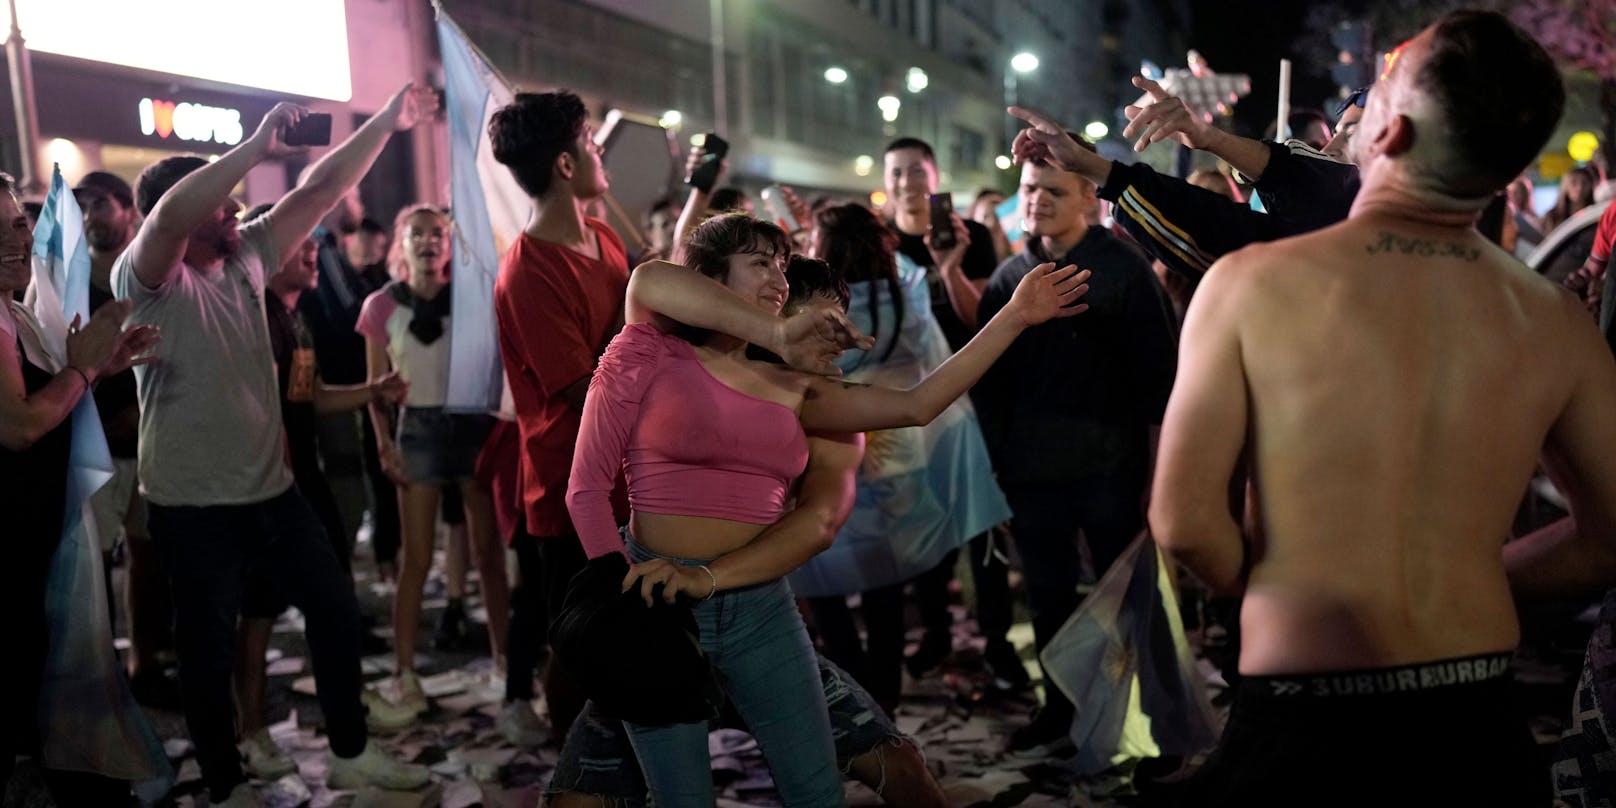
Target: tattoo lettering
[(1421, 247)]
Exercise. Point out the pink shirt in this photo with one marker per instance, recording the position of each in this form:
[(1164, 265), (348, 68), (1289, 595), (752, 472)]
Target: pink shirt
[(688, 444)]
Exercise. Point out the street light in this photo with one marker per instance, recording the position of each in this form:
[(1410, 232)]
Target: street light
[(835, 75), (863, 164), (1022, 62), (889, 105), (1002, 162), (917, 80), (1096, 130)]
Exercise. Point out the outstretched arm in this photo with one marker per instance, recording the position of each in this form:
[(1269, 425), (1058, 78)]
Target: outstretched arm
[(300, 210), (1167, 116), (809, 341), (825, 500), (1044, 294), (1201, 439), (158, 246)]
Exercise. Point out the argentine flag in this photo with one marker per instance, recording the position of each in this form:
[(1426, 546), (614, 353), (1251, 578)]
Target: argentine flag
[(489, 210), (88, 720)]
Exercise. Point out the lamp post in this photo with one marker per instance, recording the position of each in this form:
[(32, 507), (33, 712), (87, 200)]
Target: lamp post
[(1021, 63), (22, 96)]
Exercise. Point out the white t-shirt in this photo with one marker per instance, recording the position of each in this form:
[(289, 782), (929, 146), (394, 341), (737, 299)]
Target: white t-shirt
[(425, 367), (210, 417)]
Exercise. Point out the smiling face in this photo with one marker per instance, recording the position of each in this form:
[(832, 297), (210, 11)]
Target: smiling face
[(759, 278), (301, 270), (911, 179), (16, 245)]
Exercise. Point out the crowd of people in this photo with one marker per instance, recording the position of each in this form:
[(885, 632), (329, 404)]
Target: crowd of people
[(1325, 412)]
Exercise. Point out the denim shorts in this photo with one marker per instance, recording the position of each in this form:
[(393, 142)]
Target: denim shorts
[(598, 760), (441, 447)]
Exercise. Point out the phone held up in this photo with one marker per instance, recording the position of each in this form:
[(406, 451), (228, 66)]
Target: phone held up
[(314, 129), (713, 151), (774, 201), (942, 222)]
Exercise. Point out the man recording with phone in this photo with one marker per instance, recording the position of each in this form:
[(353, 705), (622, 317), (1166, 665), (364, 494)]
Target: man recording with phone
[(211, 442)]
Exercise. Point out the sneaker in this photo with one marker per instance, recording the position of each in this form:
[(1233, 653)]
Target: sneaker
[(242, 796), (520, 725), (1047, 735), (263, 759), (934, 648), (373, 767), (407, 692), (384, 716), (1009, 672)]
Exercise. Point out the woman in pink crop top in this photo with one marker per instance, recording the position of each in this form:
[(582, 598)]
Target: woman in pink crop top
[(709, 442)]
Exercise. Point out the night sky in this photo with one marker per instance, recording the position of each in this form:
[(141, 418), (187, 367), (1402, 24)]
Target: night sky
[(1228, 33)]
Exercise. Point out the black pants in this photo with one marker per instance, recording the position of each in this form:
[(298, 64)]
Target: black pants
[(547, 565), (991, 578), (311, 483), (206, 552), (876, 662), (1455, 744), (1108, 512), (384, 526)]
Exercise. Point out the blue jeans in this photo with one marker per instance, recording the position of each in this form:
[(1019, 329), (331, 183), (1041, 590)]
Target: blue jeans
[(207, 552), (757, 641)]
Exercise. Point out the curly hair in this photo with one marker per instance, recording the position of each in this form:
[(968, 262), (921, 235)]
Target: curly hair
[(528, 134)]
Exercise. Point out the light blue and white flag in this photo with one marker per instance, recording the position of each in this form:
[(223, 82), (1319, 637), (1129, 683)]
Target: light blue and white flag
[(88, 720), (490, 210)]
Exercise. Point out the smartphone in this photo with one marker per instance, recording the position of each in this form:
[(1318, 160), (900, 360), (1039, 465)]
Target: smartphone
[(713, 150), (942, 221), (313, 130), (774, 201)]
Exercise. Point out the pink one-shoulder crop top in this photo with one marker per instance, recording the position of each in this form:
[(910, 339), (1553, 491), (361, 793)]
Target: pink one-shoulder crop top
[(688, 444)]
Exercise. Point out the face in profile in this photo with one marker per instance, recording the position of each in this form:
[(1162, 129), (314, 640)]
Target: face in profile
[(759, 278), (16, 245), (301, 270), (589, 179)]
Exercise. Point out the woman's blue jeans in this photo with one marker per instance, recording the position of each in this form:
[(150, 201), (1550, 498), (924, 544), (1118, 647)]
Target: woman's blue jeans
[(757, 641)]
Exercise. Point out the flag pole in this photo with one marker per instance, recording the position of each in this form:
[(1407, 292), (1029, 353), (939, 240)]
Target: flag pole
[(22, 98), (1282, 129)]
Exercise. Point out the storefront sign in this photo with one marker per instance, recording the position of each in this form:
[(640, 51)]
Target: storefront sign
[(187, 121)]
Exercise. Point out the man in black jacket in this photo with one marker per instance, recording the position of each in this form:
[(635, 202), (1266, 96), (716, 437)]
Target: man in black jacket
[(1068, 410)]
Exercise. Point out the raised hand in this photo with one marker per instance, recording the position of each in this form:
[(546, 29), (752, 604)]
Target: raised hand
[(411, 105), (1165, 117), (271, 133), (811, 340), (90, 346), (1046, 140), (133, 348), (956, 254), (1047, 293)]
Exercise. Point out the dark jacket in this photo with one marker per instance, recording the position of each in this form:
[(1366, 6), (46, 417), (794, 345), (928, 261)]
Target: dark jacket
[(1076, 397)]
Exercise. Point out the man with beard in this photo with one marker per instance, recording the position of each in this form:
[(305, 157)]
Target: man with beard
[(212, 466)]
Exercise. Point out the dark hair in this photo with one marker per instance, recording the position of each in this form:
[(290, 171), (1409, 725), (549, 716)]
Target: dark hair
[(371, 227), (861, 248), (727, 234), (529, 133), (1298, 121), (1079, 140), (986, 192), (1476, 58), (157, 178), (256, 211), (726, 199), (664, 203), (911, 143), (811, 276)]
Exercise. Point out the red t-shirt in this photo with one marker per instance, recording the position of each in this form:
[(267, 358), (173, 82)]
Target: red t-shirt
[(1605, 236), (555, 309)]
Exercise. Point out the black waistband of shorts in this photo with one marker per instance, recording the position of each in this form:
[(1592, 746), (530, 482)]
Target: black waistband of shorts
[(1418, 677)]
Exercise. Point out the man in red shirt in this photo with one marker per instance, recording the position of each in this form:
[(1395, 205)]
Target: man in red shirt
[(558, 301)]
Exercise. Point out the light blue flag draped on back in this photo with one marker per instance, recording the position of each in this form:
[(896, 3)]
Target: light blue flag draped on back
[(490, 210), (88, 720), (922, 491)]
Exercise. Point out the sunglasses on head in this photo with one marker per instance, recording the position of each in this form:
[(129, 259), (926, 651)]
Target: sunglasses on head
[(1357, 98)]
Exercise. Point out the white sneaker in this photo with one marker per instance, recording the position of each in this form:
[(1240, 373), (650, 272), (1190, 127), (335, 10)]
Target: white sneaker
[(520, 725), (263, 759), (384, 716), (373, 767), (242, 796)]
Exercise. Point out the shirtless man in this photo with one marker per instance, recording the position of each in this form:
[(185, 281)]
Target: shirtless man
[(1395, 379)]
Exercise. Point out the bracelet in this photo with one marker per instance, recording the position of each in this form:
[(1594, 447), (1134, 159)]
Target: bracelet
[(710, 574), (82, 375)]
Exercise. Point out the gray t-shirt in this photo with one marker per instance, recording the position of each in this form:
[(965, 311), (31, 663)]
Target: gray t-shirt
[(210, 417)]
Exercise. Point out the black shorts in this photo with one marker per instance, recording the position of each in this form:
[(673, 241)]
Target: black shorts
[(1436, 733)]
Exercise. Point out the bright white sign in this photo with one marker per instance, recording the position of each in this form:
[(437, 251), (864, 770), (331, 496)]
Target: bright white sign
[(299, 47), (187, 121)]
